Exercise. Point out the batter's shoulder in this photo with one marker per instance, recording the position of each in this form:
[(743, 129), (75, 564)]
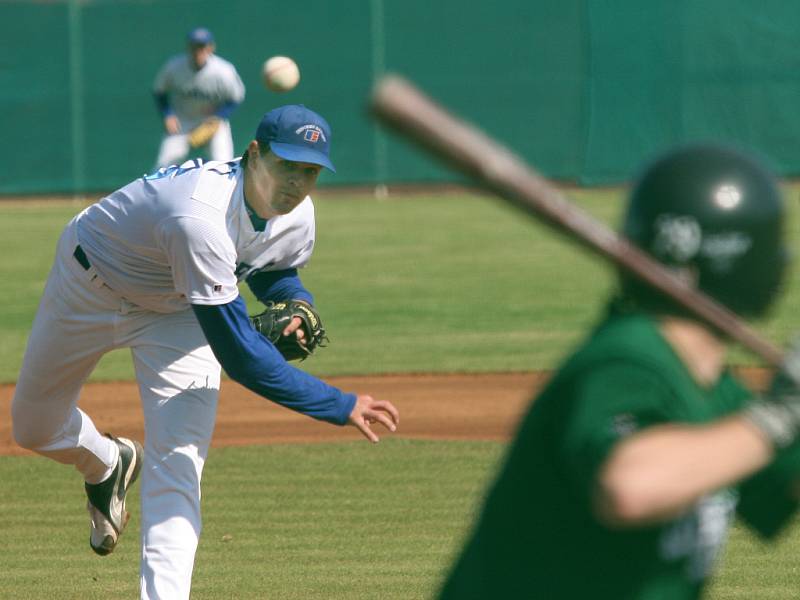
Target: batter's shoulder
[(632, 339)]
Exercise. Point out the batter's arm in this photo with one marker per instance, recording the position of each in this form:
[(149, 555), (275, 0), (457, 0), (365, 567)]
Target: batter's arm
[(657, 474)]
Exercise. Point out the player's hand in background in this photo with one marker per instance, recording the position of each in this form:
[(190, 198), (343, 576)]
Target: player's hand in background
[(368, 411), (172, 125)]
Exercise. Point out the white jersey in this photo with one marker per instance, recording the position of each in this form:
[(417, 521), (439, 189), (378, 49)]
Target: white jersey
[(183, 236), (196, 95)]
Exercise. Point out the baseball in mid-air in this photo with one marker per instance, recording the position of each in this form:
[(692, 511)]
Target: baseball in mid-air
[(280, 73)]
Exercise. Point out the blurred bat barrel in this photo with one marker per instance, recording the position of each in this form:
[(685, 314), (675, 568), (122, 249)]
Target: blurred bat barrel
[(402, 107)]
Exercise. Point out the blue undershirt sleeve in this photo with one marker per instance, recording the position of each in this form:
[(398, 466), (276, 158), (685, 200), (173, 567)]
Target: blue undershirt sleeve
[(279, 285), (251, 360), (162, 102), (226, 110)]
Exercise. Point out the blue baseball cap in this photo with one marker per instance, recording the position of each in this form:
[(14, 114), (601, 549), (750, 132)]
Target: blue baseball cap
[(200, 36), (296, 133)]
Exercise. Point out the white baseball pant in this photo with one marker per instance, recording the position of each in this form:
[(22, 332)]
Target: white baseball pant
[(78, 320)]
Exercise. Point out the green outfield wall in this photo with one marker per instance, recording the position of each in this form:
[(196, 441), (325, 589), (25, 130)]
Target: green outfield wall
[(583, 89)]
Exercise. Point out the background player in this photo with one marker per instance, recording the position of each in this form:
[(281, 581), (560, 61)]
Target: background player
[(154, 267), (627, 469), (196, 93)]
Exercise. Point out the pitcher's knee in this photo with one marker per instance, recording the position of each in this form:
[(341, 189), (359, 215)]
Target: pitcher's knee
[(26, 437), (31, 430), (28, 434)]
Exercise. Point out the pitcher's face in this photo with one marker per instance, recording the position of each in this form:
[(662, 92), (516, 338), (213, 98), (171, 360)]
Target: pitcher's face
[(279, 185)]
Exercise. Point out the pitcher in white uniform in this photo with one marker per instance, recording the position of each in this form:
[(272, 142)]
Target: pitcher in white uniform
[(194, 87), (155, 267)]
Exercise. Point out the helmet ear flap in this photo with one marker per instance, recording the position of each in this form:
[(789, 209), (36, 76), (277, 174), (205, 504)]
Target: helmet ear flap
[(714, 212)]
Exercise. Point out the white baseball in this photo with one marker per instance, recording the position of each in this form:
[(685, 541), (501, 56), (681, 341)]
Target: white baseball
[(280, 73)]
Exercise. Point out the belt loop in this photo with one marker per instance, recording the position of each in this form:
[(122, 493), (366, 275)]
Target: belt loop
[(95, 280)]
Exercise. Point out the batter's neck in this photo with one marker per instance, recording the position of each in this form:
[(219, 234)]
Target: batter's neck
[(699, 348)]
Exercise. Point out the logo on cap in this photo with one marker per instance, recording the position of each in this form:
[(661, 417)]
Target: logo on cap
[(296, 133), (311, 133)]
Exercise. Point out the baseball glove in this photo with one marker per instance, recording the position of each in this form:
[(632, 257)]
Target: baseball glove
[(277, 317), (202, 134)]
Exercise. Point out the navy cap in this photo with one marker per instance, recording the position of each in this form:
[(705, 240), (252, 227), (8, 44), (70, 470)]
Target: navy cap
[(200, 36), (296, 133)]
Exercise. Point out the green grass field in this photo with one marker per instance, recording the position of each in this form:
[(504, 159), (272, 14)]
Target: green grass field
[(333, 521), (419, 284), (424, 283), (293, 522)]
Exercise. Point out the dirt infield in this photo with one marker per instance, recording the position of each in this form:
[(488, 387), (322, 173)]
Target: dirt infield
[(431, 407), (476, 407)]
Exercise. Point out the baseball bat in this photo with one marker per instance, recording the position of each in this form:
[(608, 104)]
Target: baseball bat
[(398, 104)]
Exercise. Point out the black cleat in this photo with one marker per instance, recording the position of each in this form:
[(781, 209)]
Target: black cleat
[(106, 503)]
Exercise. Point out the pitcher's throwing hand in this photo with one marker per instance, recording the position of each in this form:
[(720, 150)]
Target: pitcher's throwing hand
[(368, 411)]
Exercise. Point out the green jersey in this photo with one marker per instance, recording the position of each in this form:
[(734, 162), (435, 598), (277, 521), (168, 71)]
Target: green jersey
[(538, 537)]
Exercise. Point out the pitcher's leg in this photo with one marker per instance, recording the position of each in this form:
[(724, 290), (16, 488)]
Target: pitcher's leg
[(71, 331), (179, 384)]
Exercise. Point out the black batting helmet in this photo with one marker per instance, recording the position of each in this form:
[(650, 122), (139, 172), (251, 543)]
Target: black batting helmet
[(716, 214)]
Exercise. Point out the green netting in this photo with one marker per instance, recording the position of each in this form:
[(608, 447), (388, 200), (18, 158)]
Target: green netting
[(583, 89)]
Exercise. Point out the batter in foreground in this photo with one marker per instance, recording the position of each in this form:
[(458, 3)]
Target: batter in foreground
[(627, 471), (155, 267)]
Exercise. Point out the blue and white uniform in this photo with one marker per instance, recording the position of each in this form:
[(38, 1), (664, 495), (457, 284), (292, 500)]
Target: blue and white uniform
[(193, 95), (154, 267)]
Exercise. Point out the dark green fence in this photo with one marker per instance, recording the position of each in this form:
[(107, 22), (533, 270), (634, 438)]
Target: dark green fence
[(584, 89)]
